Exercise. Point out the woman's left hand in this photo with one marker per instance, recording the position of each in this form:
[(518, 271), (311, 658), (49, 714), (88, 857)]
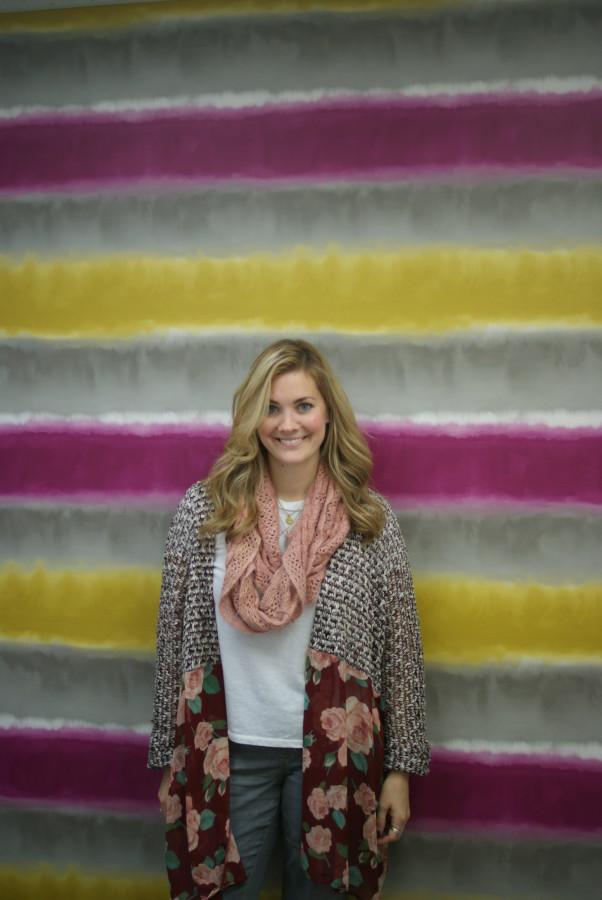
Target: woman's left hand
[(394, 804)]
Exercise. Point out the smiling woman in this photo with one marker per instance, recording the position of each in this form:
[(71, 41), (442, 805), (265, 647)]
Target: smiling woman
[(293, 432), (289, 685)]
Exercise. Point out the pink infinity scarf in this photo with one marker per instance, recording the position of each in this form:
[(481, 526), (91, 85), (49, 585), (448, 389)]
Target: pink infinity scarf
[(264, 589)]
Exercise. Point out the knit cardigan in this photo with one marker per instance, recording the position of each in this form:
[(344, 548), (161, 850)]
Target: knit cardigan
[(364, 709)]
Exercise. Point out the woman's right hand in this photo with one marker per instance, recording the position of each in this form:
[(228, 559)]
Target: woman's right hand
[(163, 788)]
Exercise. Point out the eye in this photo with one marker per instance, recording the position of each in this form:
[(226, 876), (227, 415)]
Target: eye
[(272, 409), (305, 406)]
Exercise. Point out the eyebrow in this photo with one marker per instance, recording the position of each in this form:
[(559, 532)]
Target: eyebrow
[(298, 400)]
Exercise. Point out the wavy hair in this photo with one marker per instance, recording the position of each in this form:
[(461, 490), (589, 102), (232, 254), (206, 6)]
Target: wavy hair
[(233, 479)]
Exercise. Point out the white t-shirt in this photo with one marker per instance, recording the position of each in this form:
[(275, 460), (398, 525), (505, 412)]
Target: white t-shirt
[(264, 673)]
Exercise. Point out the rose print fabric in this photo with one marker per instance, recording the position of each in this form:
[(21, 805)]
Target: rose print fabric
[(343, 755), (200, 853)]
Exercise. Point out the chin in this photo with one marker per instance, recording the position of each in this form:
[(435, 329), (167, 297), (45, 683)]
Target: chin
[(300, 454), (292, 457)]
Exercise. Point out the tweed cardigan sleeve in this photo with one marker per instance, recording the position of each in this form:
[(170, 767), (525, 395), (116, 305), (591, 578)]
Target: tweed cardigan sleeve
[(168, 658), (403, 687)]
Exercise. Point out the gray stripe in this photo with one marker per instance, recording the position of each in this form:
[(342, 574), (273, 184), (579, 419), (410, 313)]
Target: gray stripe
[(479, 371), (530, 703), (82, 537), (97, 841), (239, 221), (302, 52), (488, 543), (511, 866), (548, 704), (507, 866), (92, 686), (546, 546)]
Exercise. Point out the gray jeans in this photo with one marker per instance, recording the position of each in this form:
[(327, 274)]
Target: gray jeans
[(265, 800)]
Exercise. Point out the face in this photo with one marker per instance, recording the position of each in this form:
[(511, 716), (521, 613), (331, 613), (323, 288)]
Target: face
[(295, 425)]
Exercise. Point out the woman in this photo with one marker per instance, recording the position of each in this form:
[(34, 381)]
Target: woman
[(289, 681)]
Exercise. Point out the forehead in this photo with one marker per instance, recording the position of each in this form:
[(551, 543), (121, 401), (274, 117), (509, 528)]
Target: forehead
[(293, 385)]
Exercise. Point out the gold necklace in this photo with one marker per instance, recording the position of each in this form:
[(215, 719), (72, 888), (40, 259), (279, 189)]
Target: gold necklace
[(289, 518)]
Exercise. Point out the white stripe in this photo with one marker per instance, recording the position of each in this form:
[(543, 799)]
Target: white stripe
[(45, 5), (546, 418), (242, 99), (591, 751), (7, 721), (355, 340), (550, 418), (127, 419)]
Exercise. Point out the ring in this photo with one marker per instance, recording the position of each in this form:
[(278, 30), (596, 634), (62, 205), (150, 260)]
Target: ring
[(395, 829)]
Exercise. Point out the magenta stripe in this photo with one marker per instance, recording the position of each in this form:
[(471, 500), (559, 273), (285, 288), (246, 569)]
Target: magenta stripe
[(77, 767), (104, 769), (546, 465), (342, 139), (518, 791)]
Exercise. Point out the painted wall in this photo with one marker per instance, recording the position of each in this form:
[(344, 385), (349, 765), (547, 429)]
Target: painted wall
[(418, 188)]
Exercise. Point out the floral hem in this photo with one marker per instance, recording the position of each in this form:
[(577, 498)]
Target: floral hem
[(201, 853), (343, 774), (343, 756)]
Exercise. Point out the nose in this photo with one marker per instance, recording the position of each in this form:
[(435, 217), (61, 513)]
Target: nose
[(288, 421)]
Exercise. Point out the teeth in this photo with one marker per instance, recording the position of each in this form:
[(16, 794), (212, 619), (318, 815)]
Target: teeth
[(290, 441)]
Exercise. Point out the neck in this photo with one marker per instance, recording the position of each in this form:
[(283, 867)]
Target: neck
[(293, 482)]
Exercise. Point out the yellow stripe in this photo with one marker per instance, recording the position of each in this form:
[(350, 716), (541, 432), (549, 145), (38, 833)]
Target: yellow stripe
[(117, 16), (463, 621), (46, 882), (474, 621), (43, 881), (409, 291), (115, 608)]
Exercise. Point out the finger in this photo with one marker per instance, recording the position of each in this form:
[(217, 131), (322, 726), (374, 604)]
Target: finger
[(387, 838), (381, 818), (394, 833)]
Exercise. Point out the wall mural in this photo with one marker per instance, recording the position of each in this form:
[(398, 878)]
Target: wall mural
[(418, 189)]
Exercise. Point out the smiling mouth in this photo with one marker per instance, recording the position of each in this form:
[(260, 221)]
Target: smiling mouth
[(291, 442)]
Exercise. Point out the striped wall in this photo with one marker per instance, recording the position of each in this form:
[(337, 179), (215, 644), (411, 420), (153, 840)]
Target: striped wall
[(415, 186)]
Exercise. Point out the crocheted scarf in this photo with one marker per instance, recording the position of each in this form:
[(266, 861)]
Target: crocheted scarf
[(264, 589)]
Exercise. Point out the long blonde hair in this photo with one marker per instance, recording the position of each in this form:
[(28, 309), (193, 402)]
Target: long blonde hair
[(234, 477)]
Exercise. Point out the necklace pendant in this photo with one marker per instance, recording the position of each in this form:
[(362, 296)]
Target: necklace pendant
[(289, 519)]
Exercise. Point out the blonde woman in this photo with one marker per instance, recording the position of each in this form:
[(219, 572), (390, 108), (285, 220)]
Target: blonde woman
[(289, 680)]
